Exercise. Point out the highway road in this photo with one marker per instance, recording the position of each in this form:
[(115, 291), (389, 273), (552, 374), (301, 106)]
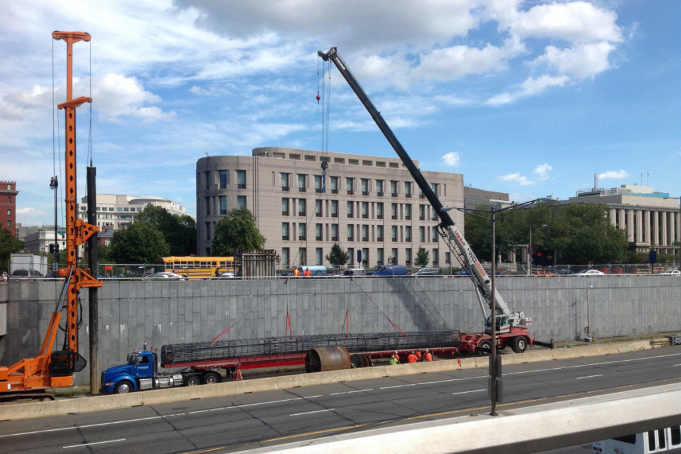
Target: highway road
[(235, 423)]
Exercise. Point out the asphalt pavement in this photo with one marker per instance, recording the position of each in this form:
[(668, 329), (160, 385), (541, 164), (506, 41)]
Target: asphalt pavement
[(235, 423)]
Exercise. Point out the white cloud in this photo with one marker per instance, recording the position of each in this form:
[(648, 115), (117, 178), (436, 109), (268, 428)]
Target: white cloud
[(613, 174), (529, 87), (542, 171), (580, 62), (516, 177), (210, 91), (452, 159), (28, 212)]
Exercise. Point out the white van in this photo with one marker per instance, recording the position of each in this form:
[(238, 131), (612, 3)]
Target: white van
[(315, 270), (660, 440)]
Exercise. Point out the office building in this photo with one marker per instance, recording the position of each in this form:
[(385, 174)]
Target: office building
[(474, 197), (368, 204), (117, 211), (40, 238)]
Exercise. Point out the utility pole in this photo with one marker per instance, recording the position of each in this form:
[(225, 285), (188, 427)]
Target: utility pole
[(54, 185), (93, 265)]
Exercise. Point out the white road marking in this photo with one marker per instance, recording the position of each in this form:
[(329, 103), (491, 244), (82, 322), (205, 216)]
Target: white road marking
[(590, 376), (310, 412), (466, 392), (351, 392), (677, 365), (399, 386), (96, 443)]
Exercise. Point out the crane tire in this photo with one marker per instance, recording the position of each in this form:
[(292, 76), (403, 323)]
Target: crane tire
[(519, 344), (484, 348)]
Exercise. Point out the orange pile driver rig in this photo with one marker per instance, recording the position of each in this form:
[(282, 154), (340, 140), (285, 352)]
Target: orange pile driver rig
[(52, 369)]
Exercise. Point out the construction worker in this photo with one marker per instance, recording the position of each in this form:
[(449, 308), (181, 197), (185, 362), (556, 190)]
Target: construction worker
[(418, 355), (296, 272), (427, 357), (307, 272), (411, 358), (394, 359)]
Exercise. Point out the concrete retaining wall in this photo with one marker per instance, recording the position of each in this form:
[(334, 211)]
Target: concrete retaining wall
[(132, 312)]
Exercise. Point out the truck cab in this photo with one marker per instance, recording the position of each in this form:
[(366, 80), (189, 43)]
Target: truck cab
[(126, 377)]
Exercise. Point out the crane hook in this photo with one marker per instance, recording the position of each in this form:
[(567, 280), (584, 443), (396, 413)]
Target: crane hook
[(318, 97)]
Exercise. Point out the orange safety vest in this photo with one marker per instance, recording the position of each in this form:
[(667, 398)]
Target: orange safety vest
[(296, 273), (411, 358), (427, 357), (418, 356), (307, 272)]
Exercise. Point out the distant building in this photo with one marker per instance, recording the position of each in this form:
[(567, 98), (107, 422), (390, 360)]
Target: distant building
[(24, 230), (40, 238), (366, 204), (473, 197), (8, 206), (117, 211), (651, 219)]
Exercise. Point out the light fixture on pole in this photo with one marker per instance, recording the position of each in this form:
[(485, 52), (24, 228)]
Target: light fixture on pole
[(54, 184)]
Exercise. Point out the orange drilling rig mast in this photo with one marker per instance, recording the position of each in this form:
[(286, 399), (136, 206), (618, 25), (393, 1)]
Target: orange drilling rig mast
[(55, 368)]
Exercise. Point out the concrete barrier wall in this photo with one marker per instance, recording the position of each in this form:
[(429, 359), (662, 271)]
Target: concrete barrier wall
[(132, 312)]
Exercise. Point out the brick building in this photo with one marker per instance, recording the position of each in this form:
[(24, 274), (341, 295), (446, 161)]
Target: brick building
[(8, 206)]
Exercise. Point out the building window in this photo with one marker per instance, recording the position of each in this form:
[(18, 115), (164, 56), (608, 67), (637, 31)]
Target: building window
[(9, 223), (302, 256), (284, 231), (241, 201), (351, 213), (365, 210), (422, 234), (365, 233), (208, 180), (119, 209), (379, 256), (126, 209), (284, 206), (433, 214), (9, 212), (302, 187), (422, 212), (379, 233), (407, 212), (448, 258), (318, 232), (393, 209), (207, 206), (285, 257), (334, 232), (241, 179), (394, 233), (365, 256), (434, 235), (394, 258), (318, 183), (319, 256), (301, 207), (223, 204), (351, 232), (350, 185), (207, 231), (379, 187), (407, 256), (284, 181), (111, 209), (9, 187), (393, 188), (334, 185), (379, 210), (9, 199), (301, 231), (407, 233), (435, 257), (407, 188), (334, 208), (351, 256), (318, 208), (223, 179), (434, 186), (365, 186)]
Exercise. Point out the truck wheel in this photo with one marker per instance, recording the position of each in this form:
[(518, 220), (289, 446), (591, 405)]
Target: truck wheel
[(123, 387), (484, 348), (192, 380), (210, 378), (519, 344)]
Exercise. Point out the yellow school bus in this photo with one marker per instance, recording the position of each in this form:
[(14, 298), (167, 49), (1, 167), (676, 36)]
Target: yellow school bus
[(197, 268)]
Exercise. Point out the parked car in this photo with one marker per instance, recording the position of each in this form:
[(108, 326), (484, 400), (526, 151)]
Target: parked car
[(425, 271), (590, 273), (355, 272), (315, 270), (389, 271), (225, 275), (167, 276), (671, 273), (25, 274)]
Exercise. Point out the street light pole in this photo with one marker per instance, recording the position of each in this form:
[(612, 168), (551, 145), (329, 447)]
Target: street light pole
[(588, 315), (493, 364)]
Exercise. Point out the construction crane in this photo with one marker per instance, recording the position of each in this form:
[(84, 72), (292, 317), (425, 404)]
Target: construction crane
[(51, 369), (511, 326)]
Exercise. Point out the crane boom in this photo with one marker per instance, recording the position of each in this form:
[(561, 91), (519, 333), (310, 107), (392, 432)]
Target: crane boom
[(448, 229)]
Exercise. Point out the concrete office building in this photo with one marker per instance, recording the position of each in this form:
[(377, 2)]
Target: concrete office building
[(40, 239), (651, 219), (474, 197), (364, 203), (8, 206), (118, 210)]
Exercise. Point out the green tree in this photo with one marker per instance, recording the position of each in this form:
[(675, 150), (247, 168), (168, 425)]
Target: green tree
[(237, 232), (478, 229), (8, 245), (337, 256), (422, 257), (178, 231), (140, 242)]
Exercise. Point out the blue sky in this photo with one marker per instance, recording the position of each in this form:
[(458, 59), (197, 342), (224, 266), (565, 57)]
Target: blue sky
[(527, 97)]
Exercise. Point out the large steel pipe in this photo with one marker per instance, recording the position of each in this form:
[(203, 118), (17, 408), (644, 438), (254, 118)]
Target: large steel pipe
[(327, 359)]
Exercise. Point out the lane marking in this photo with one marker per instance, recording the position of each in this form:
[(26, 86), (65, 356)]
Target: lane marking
[(677, 365), (351, 392), (466, 392), (399, 386), (310, 412), (91, 444), (590, 376)]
